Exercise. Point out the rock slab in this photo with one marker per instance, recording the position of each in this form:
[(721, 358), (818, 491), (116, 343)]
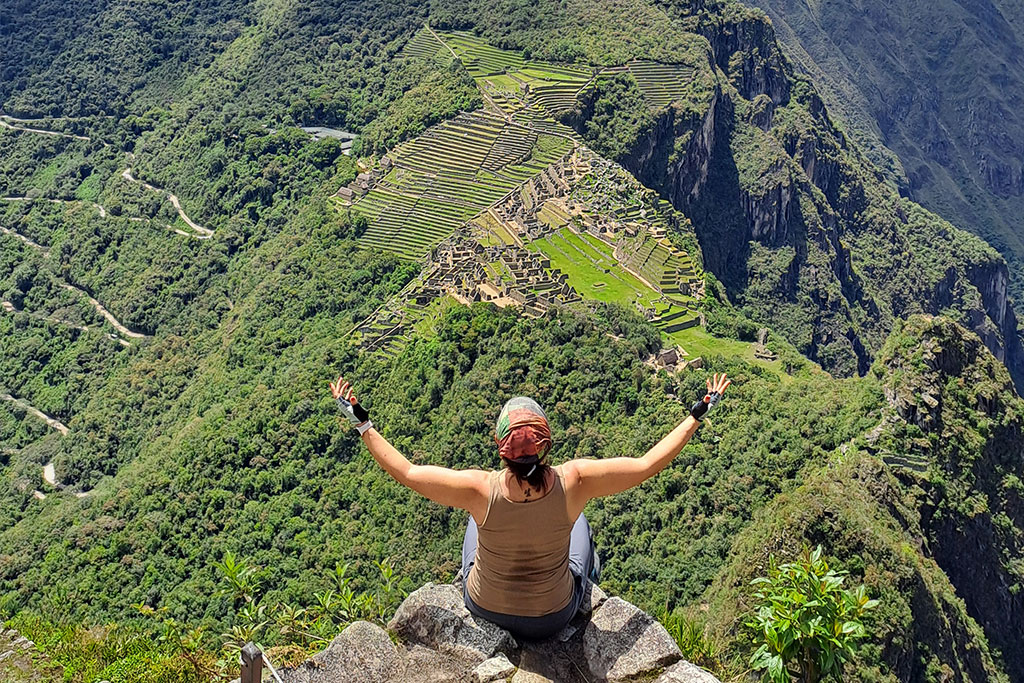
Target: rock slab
[(609, 641), (685, 672), (494, 669), (436, 617), (362, 652), (622, 642)]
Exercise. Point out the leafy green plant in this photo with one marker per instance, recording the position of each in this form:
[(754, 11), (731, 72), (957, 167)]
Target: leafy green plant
[(693, 642), (806, 622), (240, 579)]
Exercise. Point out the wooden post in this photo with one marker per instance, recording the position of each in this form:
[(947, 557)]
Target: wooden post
[(252, 664)]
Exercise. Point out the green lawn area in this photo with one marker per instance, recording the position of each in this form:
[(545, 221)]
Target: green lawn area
[(583, 275), (503, 82), (538, 71), (597, 244), (589, 249), (697, 341)]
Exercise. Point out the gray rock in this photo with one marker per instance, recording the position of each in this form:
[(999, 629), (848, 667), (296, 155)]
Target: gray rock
[(685, 672), (622, 642), (523, 676), (362, 652), (5, 655), (436, 617), (496, 668), (423, 665), (593, 598)]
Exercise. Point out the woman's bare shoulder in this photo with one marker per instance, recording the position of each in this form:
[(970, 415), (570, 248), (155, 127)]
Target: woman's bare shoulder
[(570, 472)]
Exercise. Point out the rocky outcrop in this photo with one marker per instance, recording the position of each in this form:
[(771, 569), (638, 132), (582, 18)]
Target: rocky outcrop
[(951, 404), (440, 641)]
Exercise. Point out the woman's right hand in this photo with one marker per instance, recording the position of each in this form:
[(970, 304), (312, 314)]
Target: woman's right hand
[(347, 402)]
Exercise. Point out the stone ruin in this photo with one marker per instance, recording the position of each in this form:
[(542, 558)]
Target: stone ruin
[(460, 267), (760, 350)]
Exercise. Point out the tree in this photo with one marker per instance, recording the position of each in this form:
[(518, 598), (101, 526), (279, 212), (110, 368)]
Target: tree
[(806, 622)]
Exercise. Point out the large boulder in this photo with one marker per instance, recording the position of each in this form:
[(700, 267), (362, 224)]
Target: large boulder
[(436, 617), (609, 641), (497, 668), (362, 652), (622, 642)]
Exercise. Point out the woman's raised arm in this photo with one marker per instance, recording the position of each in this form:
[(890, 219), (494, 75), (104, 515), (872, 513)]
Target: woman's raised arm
[(466, 489), (595, 478)]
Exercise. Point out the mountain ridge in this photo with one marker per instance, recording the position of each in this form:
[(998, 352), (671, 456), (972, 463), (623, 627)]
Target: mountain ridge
[(215, 436)]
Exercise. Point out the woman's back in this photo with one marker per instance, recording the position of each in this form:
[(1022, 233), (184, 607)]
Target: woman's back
[(522, 559)]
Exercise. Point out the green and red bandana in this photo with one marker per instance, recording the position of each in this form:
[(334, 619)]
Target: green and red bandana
[(522, 431)]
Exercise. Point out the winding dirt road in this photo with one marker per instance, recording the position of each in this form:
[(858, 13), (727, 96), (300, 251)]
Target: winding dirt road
[(5, 123), (106, 314), (29, 408), (15, 233), (9, 307), (204, 233), (99, 207), (96, 304)]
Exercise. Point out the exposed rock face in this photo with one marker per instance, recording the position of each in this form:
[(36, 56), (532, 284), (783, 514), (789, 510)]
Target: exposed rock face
[(362, 652), (610, 640), (795, 221), (435, 616), (621, 642), (942, 386)]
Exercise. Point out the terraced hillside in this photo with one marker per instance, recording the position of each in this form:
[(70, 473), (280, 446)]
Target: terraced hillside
[(514, 85), (425, 45), (480, 58), (660, 83), (447, 176), (493, 169)]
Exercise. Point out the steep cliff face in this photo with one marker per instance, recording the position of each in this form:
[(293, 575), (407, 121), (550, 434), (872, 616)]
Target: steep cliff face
[(951, 405), (938, 83), (800, 227), (926, 508)]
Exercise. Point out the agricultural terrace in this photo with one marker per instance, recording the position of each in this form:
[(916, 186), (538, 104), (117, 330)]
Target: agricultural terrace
[(447, 176), (660, 83), (669, 270), (512, 84), (479, 58), (425, 45)]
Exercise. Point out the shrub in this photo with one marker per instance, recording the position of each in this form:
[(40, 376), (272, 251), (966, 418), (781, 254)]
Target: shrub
[(806, 622)]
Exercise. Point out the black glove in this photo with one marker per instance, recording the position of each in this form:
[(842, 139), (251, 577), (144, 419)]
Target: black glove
[(703, 405)]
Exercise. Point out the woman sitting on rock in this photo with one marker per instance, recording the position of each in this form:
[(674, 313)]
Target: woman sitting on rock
[(528, 550)]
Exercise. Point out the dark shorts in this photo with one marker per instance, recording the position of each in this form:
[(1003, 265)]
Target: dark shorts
[(583, 564)]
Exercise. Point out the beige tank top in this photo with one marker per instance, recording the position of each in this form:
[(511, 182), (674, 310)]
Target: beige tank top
[(522, 555)]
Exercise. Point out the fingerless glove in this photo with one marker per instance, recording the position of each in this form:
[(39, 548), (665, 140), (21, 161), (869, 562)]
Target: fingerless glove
[(355, 413), (703, 405)]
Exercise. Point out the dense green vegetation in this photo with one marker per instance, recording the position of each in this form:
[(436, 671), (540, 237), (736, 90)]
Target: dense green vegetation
[(616, 116), (791, 216), (207, 433)]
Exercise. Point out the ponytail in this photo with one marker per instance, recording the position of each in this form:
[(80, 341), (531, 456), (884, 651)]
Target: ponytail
[(534, 471)]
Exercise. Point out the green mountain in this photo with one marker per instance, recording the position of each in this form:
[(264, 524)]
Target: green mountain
[(932, 90), (540, 199)]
